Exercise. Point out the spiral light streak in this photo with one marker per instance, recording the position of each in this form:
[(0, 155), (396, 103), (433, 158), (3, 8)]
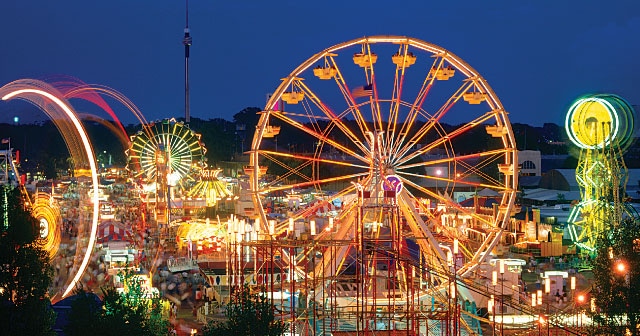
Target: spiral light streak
[(44, 209), (42, 94)]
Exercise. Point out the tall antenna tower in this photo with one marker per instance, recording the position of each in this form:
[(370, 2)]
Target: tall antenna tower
[(187, 43)]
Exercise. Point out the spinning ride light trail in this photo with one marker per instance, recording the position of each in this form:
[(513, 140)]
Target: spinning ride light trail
[(46, 211), (361, 118), (602, 126), (48, 99), (210, 187)]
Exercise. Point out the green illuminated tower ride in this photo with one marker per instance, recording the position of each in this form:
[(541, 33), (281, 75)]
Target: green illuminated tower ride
[(601, 125)]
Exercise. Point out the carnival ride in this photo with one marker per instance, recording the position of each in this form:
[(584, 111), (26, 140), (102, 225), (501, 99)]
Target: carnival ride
[(52, 102), (165, 154), (385, 115), (168, 140), (210, 188), (52, 97), (602, 126), (47, 211)]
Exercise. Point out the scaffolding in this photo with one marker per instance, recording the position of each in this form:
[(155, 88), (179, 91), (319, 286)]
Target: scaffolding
[(370, 284)]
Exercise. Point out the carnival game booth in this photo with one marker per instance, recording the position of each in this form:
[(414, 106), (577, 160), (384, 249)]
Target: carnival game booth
[(117, 242)]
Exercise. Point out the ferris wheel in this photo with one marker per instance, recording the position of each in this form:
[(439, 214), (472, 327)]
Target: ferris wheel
[(379, 137), (165, 148)]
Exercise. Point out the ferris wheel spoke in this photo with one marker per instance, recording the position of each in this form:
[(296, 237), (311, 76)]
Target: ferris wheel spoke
[(436, 67), (317, 135), (313, 159), (463, 166), (177, 145), (477, 169), (289, 171), (447, 202), (422, 235), (311, 210), (403, 59), (457, 182), (349, 99), (335, 119), (459, 158), (318, 182), (367, 65), (433, 120), (366, 60), (376, 111), (455, 133)]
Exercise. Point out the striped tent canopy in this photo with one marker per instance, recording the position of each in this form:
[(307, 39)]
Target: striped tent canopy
[(114, 231)]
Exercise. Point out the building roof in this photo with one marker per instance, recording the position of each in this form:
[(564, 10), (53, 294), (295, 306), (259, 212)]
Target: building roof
[(542, 195), (483, 201), (529, 181), (633, 184), (486, 192), (560, 179), (550, 162)]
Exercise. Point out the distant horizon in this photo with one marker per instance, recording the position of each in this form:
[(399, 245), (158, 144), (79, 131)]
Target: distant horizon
[(8, 120)]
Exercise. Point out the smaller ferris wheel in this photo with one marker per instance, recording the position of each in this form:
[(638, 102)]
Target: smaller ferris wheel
[(166, 148)]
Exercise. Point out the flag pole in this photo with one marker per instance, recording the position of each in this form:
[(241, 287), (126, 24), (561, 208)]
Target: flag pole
[(6, 165)]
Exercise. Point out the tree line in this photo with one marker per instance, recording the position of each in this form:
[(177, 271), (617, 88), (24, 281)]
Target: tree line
[(42, 147)]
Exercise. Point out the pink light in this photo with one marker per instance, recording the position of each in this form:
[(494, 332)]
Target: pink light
[(72, 87)]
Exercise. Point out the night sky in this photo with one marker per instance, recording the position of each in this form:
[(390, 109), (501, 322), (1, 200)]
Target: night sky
[(538, 56)]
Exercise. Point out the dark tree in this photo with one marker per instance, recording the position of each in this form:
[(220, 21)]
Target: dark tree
[(616, 288), (248, 314), (84, 314), (248, 117), (134, 312), (25, 273)]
